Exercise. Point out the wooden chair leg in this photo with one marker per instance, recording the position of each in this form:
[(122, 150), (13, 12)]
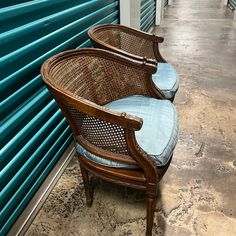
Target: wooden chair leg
[(151, 202), (87, 186)]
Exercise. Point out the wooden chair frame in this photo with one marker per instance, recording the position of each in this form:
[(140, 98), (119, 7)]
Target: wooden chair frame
[(155, 40), (148, 175), (153, 56)]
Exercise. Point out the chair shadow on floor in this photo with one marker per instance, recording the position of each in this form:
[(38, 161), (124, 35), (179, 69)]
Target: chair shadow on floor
[(125, 208)]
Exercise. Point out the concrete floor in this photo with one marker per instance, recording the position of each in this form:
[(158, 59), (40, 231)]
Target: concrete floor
[(198, 193)]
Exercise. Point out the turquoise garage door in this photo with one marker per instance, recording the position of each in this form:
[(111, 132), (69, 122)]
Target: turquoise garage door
[(148, 14), (34, 133), (165, 3), (232, 3)]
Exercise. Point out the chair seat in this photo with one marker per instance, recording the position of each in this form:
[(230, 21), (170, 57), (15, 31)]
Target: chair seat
[(158, 135), (166, 79)]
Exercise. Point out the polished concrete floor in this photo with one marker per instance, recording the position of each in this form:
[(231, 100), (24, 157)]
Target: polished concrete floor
[(198, 193)]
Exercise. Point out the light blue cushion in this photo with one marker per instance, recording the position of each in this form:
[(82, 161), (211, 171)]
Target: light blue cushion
[(166, 79), (158, 135), (102, 161)]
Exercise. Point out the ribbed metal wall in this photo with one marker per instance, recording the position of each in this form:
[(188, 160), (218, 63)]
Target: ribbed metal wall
[(232, 3), (34, 133), (165, 3), (148, 14)]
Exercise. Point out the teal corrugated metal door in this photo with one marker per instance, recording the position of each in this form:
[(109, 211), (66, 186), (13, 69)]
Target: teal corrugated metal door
[(148, 13), (165, 3), (34, 134), (232, 3)]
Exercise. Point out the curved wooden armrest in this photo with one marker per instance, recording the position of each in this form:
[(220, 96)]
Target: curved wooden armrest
[(157, 39), (148, 65), (129, 123), (151, 39), (118, 118), (130, 69), (130, 30)]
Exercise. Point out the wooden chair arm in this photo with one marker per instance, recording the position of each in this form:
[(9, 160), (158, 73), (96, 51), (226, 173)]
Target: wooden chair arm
[(150, 38), (99, 112), (134, 72), (129, 123), (141, 34), (144, 64)]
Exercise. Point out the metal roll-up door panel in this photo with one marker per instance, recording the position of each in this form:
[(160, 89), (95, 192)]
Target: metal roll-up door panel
[(148, 14), (232, 4), (165, 3), (34, 133)]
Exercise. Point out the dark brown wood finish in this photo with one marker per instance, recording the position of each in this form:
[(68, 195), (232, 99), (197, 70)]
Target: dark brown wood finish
[(114, 37), (129, 42), (74, 78)]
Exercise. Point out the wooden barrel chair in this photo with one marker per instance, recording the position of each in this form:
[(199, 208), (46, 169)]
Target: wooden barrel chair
[(125, 132), (138, 45)]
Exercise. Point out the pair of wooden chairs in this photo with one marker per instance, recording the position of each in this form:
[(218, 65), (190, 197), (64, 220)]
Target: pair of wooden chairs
[(124, 127)]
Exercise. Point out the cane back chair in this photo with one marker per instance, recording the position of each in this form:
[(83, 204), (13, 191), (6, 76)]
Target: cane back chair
[(124, 131), (139, 45)]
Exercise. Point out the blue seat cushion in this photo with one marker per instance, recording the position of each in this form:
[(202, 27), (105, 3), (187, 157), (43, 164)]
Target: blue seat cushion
[(102, 161), (158, 135), (166, 79)]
